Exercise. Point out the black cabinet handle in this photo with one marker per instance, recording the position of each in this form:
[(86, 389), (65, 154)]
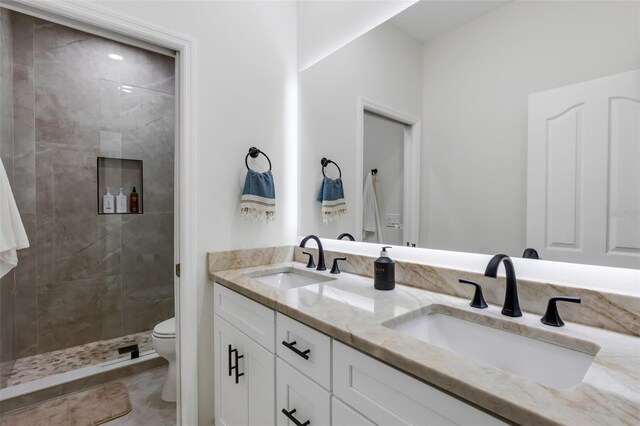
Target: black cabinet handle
[(231, 351), (292, 346), (295, 421), (238, 374), (234, 366)]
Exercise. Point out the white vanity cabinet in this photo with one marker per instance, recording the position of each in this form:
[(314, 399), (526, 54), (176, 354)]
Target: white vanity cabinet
[(244, 369), (300, 400), (271, 369), (390, 397), (343, 415)]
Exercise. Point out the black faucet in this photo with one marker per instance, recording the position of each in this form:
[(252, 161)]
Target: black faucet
[(530, 253), (347, 236), (511, 306), (321, 266)]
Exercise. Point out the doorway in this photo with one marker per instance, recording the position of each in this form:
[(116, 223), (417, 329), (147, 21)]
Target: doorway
[(383, 159), (389, 144), (84, 17)]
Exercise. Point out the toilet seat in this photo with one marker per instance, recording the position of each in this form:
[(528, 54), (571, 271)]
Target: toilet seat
[(166, 329)]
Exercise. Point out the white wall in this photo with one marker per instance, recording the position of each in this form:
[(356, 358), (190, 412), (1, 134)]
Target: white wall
[(324, 26), (246, 95), (385, 66), (476, 82)]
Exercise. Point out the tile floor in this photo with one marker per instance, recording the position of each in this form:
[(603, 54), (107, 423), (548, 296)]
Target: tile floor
[(43, 365), (144, 393), (148, 408)]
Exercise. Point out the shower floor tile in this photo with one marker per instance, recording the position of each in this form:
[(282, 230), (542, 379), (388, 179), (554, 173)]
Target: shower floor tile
[(42, 365)]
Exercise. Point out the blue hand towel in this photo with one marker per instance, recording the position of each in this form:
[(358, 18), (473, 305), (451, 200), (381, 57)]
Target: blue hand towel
[(258, 196), (331, 195)]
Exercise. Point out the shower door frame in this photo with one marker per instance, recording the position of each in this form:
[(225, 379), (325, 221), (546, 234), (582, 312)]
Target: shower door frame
[(91, 19)]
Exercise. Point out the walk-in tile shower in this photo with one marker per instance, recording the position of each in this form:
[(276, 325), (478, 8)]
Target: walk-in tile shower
[(89, 283)]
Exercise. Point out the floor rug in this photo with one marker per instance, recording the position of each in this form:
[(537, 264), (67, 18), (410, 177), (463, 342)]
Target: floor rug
[(86, 408)]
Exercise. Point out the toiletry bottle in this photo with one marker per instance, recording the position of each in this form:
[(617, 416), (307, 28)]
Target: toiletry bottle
[(107, 202), (133, 201), (384, 271), (121, 203)]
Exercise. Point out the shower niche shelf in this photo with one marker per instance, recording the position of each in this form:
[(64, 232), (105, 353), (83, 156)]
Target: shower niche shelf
[(116, 173)]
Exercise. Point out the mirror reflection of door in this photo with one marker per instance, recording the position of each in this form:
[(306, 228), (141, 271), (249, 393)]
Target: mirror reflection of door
[(383, 151)]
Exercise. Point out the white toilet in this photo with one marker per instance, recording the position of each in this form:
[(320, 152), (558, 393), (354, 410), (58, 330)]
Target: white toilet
[(164, 343)]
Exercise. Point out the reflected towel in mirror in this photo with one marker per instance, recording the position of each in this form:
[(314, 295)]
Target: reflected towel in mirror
[(371, 213), (331, 195)]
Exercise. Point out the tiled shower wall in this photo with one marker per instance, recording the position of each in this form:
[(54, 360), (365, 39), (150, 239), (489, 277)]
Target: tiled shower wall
[(86, 277), (7, 315)]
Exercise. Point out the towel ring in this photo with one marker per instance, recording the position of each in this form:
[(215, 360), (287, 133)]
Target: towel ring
[(254, 152), (325, 162)]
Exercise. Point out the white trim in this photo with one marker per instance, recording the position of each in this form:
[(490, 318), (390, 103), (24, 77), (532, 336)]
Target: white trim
[(412, 144), (85, 16)]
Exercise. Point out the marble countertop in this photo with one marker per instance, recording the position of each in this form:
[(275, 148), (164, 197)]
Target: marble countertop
[(351, 310)]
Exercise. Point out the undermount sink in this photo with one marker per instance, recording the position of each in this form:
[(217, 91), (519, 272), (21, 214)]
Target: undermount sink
[(287, 277), (546, 363)]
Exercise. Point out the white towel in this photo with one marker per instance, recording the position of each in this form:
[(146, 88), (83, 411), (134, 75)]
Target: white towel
[(12, 234), (371, 213)]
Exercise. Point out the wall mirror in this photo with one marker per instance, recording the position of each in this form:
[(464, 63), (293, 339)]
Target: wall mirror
[(493, 126)]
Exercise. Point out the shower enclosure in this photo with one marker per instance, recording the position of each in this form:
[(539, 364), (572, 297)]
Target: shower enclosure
[(89, 283)]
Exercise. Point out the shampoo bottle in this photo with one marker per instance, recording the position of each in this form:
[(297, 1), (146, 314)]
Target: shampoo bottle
[(121, 203), (133, 201), (384, 271), (107, 202)]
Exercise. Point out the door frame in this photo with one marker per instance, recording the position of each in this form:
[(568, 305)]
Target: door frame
[(412, 160), (99, 21)]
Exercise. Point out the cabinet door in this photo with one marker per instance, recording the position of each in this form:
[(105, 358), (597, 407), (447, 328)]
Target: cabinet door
[(245, 378), (302, 399), (343, 415)]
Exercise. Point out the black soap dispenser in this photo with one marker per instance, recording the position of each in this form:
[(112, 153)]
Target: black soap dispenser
[(384, 271)]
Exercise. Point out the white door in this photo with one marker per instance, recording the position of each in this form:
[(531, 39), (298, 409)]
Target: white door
[(245, 378), (583, 181)]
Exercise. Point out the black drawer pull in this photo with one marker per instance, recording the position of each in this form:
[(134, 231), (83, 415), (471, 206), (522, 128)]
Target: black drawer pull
[(234, 367), (292, 346), (289, 415), (231, 351), (238, 374)]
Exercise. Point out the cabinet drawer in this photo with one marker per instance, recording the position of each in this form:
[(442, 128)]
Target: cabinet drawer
[(343, 415), (253, 319), (388, 396), (305, 348), (297, 392)]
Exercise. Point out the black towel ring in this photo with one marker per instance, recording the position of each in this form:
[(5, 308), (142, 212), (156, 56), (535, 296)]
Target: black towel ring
[(254, 152), (325, 162)]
